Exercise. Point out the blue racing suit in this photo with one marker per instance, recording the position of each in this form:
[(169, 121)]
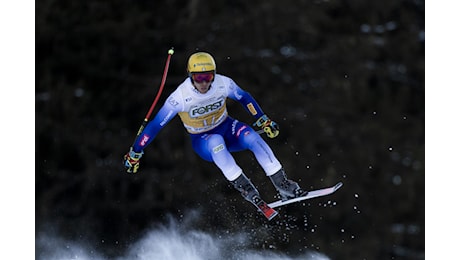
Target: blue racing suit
[(213, 132)]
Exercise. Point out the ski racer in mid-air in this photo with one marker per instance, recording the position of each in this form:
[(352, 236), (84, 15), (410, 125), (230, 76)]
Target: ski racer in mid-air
[(200, 102)]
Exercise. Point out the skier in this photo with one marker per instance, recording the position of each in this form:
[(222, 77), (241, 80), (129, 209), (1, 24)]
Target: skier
[(200, 102)]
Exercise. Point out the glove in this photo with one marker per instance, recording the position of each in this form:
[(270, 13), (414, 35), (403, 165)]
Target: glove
[(131, 160), (270, 128)]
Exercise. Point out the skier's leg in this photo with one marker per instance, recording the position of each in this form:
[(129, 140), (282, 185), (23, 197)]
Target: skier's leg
[(212, 147), (244, 137), (268, 161)]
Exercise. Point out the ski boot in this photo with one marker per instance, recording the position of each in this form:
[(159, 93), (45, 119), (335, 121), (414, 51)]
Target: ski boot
[(287, 189), (250, 193)]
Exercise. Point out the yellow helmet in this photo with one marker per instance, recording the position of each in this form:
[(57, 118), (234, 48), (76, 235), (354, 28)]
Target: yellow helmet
[(201, 62)]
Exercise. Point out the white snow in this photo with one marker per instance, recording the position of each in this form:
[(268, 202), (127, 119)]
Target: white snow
[(169, 242)]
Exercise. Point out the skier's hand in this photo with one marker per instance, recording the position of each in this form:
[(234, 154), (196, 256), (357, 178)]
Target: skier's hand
[(131, 160), (270, 127)]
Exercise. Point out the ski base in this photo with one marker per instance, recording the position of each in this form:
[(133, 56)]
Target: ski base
[(310, 195)]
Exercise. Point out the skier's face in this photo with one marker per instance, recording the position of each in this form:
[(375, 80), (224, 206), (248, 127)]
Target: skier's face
[(202, 81), (202, 87)]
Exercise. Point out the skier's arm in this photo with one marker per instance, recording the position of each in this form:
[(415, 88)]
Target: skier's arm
[(245, 99), (250, 104), (164, 115)]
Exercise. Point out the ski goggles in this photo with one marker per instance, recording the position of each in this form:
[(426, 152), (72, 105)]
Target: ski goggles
[(203, 77)]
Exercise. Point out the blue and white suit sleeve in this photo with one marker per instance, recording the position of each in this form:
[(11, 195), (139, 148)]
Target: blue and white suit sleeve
[(167, 112), (245, 99)]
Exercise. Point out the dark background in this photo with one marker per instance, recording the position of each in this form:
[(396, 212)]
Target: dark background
[(343, 79)]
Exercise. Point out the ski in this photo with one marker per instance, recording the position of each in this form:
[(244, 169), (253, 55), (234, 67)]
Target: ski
[(310, 195)]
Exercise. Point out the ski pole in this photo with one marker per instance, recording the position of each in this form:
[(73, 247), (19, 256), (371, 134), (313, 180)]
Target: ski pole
[(163, 80)]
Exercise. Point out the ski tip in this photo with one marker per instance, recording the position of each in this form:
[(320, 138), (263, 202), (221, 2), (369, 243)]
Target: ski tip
[(338, 185)]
